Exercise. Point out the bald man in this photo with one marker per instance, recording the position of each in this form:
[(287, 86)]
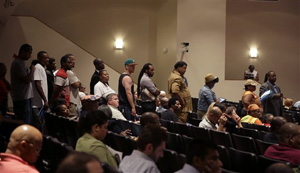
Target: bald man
[(289, 145), (23, 150), (215, 118)]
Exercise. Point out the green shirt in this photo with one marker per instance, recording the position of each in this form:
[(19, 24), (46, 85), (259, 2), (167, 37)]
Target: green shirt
[(91, 145)]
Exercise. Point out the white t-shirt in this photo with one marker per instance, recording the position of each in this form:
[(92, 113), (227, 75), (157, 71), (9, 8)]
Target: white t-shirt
[(102, 90), (74, 92), (116, 114), (39, 75)]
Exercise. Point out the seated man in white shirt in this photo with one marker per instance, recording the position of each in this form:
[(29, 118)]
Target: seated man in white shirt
[(151, 145), (202, 156), (215, 118), (113, 104)]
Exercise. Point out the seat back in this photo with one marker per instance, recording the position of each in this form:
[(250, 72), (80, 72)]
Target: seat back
[(186, 142), (169, 125), (123, 144), (169, 162), (262, 146), (243, 143), (221, 138), (175, 142), (135, 129), (123, 124), (243, 161), (183, 129), (224, 156), (261, 127), (201, 133), (265, 162), (254, 133), (195, 121)]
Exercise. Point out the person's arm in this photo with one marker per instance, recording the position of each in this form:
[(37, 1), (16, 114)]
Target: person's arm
[(76, 84), (222, 121), (127, 83), (245, 76), (57, 89), (247, 100), (257, 77), (39, 88)]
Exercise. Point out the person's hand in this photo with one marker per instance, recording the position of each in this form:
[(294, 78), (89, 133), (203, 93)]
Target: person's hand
[(46, 105), (222, 120), (133, 112), (125, 132)]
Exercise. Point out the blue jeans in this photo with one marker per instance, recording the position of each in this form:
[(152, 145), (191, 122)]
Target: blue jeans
[(22, 110), (126, 111)]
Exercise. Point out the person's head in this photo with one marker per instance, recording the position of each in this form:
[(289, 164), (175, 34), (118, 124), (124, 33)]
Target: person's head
[(251, 68), (113, 100), (43, 58), (214, 112), (164, 102), (201, 154), (276, 124), (25, 52), (95, 123), (288, 102), (289, 134), (106, 110), (72, 58), (211, 80), (66, 62), (80, 162), (99, 64), (147, 69), (267, 118), (62, 110), (82, 88), (231, 111), (52, 64), (271, 75), (250, 85), (279, 168), (149, 118), (174, 104), (254, 110), (180, 67), (130, 65), (104, 76), (26, 142), (162, 94), (152, 141), (90, 103), (3, 69)]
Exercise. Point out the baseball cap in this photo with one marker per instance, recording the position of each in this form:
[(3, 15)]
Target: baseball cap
[(130, 62)]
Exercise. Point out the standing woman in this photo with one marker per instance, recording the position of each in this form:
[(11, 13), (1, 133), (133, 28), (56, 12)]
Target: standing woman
[(249, 97), (94, 125), (102, 89), (147, 89)]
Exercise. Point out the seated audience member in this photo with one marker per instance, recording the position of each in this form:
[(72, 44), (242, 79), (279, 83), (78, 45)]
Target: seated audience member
[(266, 119), (297, 105), (163, 105), (253, 115), (149, 118), (89, 103), (288, 103), (150, 147), (214, 118), (62, 110), (82, 92), (23, 149), (102, 89), (202, 156), (113, 104), (162, 94), (289, 145), (234, 121), (94, 125), (174, 109), (276, 124), (80, 162), (279, 168)]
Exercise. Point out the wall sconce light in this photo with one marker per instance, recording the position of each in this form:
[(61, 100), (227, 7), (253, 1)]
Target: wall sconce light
[(119, 43), (253, 53)]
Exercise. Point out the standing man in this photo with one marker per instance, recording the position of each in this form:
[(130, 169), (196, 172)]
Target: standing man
[(40, 88), (61, 83), (126, 91), (75, 101), (99, 65), (177, 88), (206, 95), (150, 147), (21, 87), (272, 104), (250, 73), (147, 89), (51, 67)]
